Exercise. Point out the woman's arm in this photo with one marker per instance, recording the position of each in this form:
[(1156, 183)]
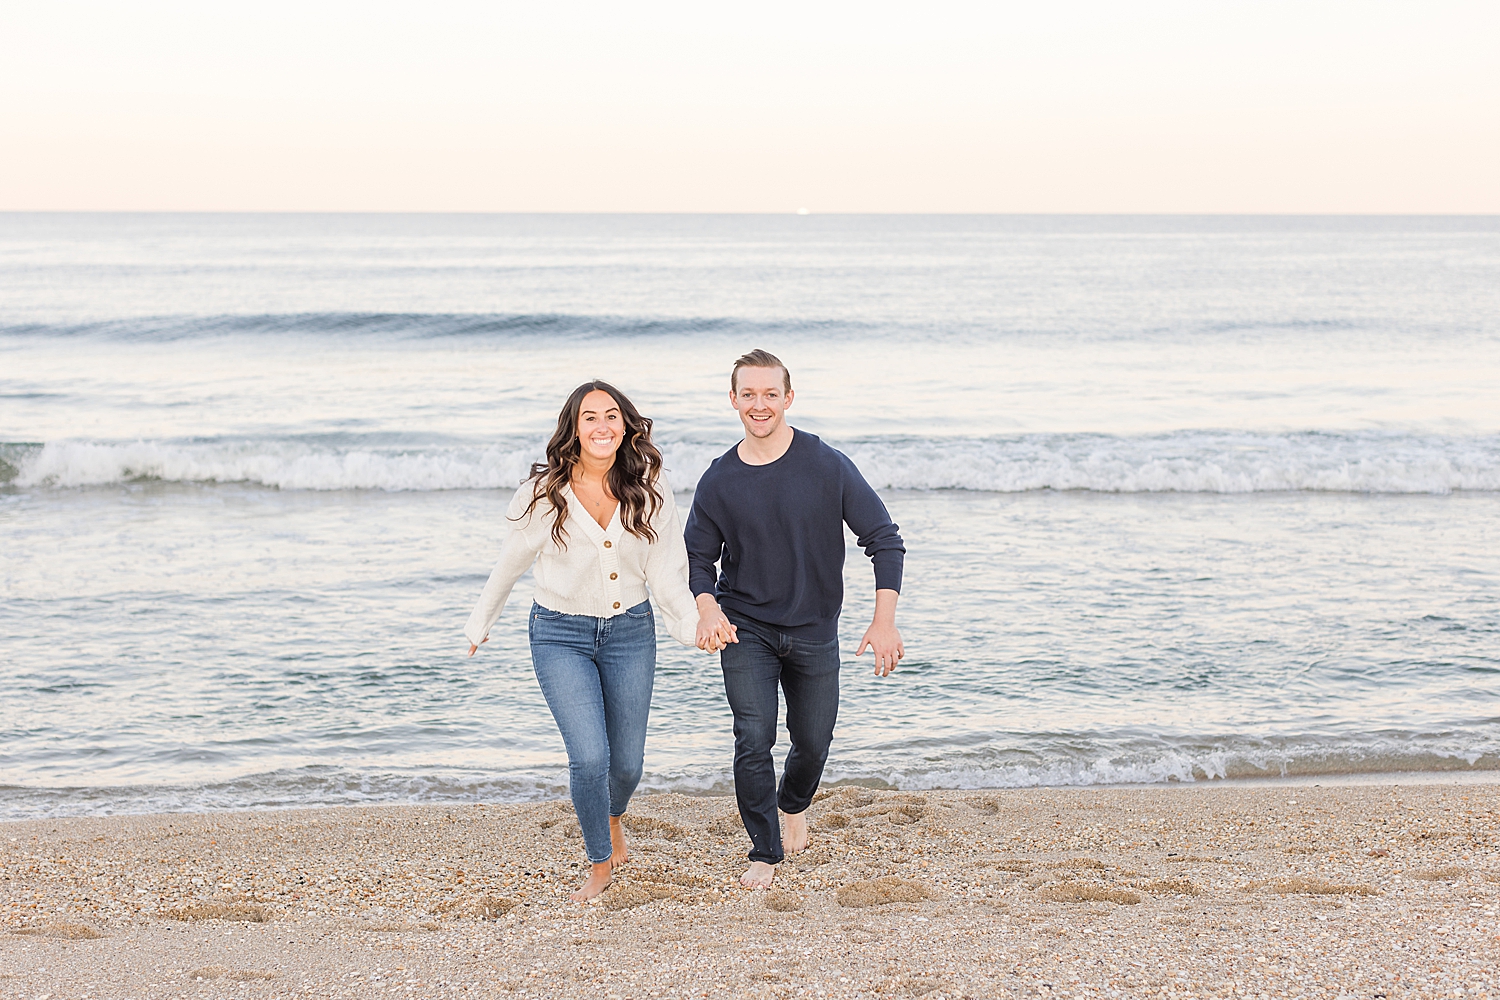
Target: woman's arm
[(517, 553)]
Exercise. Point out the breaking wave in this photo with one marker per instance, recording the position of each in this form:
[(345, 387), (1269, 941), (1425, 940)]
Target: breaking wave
[(1181, 462)]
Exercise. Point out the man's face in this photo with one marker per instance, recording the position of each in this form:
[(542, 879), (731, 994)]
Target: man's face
[(761, 400)]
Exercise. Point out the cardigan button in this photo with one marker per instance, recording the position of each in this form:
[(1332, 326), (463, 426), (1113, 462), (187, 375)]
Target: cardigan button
[(609, 545), (614, 576), (617, 604)]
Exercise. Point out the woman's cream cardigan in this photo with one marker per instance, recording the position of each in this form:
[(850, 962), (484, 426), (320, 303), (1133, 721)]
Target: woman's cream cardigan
[(601, 572)]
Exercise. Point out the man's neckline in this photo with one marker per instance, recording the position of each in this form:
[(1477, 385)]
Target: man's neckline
[(761, 465)]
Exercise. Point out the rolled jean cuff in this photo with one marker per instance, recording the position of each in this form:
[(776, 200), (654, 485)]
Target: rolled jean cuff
[(792, 809)]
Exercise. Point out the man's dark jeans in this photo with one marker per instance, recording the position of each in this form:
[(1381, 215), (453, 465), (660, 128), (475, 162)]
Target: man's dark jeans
[(809, 674)]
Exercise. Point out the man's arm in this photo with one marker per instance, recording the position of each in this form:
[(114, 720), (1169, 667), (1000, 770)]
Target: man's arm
[(881, 539), (871, 523), (705, 546)]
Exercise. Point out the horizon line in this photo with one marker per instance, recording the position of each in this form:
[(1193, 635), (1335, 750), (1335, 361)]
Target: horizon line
[(795, 213)]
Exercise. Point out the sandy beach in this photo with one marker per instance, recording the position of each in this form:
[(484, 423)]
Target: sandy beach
[(1233, 889)]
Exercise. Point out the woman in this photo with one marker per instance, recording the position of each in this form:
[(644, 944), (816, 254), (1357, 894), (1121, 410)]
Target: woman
[(598, 520)]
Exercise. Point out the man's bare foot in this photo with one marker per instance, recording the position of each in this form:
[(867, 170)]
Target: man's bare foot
[(794, 832), (619, 853), (759, 876), (598, 881)]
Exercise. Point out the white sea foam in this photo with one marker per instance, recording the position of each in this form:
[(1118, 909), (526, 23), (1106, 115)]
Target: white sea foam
[(284, 465), (1184, 462), (1188, 462), (1051, 766), (1473, 752)]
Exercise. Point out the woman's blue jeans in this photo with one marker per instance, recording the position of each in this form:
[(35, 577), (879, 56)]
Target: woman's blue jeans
[(597, 674)]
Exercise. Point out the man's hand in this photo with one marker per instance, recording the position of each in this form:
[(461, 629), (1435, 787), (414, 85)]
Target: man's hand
[(714, 630), (473, 647), (882, 636)]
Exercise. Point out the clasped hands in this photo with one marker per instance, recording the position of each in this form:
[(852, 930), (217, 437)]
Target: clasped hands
[(715, 631)]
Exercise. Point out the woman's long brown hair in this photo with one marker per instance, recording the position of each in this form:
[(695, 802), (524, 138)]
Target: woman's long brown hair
[(632, 479)]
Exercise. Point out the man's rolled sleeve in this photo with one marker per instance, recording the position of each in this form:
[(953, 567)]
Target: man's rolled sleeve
[(889, 565)]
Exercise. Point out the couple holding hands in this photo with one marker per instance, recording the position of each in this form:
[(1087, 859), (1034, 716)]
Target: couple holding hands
[(598, 521)]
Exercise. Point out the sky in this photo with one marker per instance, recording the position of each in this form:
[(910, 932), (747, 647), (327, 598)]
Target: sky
[(1257, 107)]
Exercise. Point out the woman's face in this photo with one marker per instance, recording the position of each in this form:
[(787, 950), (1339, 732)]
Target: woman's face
[(601, 427)]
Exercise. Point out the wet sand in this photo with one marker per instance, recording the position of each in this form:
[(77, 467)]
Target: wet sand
[(1228, 889)]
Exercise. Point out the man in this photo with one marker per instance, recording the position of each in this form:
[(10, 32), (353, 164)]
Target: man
[(770, 511)]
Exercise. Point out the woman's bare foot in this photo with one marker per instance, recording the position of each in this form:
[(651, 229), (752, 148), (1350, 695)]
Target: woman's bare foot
[(759, 876), (619, 852), (598, 881), (794, 832)]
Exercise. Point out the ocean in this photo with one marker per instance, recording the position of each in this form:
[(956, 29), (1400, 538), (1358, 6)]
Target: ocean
[(1185, 499)]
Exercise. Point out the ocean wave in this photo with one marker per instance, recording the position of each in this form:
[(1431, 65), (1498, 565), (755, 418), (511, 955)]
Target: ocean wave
[(316, 785), (1187, 462), (1038, 767), (1169, 761), (412, 326), (283, 464), (1184, 462)]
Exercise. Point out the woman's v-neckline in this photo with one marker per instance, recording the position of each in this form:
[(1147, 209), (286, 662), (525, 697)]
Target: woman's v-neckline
[(614, 513)]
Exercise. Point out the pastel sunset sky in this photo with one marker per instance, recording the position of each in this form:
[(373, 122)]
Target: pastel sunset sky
[(1263, 106)]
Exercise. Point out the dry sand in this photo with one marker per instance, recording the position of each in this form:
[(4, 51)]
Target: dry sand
[(1363, 891)]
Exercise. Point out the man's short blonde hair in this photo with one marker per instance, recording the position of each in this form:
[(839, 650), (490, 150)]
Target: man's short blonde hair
[(760, 359)]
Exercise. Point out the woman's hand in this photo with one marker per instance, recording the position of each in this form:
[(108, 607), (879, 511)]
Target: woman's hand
[(714, 633), (714, 630), (473, 647)]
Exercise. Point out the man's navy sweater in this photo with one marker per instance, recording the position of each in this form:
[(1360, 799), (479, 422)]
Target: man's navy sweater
[(777, 532)]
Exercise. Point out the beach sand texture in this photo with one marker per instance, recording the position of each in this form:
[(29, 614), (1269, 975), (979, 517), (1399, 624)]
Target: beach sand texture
[(1367, 891)]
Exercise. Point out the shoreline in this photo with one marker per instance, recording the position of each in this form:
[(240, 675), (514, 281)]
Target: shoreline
[(1466, 776), (1231, 889)]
